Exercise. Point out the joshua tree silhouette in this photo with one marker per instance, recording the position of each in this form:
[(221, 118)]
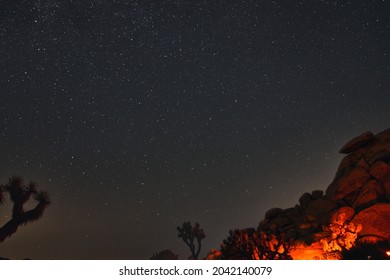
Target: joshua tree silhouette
[(19, 194), (189, 234)]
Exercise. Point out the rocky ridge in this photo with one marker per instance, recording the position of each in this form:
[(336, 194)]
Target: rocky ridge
[(355, 206)]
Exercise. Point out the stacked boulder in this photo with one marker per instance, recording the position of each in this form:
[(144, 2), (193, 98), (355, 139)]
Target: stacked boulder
[(356, 204)]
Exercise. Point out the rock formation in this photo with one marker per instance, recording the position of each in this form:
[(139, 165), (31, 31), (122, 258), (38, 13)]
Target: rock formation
[(355, 206)]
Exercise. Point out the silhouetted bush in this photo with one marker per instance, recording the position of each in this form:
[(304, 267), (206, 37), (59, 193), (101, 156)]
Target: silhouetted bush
[(239, 245), (249, 244)]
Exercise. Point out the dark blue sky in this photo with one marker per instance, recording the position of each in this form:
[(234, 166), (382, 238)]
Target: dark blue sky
[(139, 115)]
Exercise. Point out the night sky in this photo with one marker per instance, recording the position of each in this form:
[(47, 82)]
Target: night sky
[(139, 115)]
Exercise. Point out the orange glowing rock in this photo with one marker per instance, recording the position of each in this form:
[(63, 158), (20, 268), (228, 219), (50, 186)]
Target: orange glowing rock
[(355, 207)]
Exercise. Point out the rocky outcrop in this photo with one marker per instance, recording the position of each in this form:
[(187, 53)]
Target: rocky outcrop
[(355, 205), (357, 142), (365, 167)]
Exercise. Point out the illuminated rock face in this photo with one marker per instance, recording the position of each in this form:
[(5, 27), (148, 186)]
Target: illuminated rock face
[(375, 221), (358, 195), (313, 251)]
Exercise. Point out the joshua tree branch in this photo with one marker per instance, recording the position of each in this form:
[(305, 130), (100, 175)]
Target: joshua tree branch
[(19, 195)]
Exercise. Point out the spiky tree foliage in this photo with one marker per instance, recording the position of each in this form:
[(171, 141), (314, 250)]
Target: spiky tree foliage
[(165, 255), (191, 234), (19, 194), (249, 244), (239, 245)]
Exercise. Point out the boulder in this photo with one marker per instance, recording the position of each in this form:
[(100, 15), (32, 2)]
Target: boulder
[(322, 234), (279, 222), (357, 142), (341, 215), (305, 199), (363, 163), (375, 221), (317, 194), (317, 211), (369, 194), (213, 254), (379, 170), (380, 148), (314, 251), (386, 185), (263, 225), (382, 155), (291, 213), (348, 183), (272, 213), (351, 161)]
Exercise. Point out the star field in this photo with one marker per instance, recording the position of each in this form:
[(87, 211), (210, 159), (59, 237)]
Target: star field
[(137, 116)]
